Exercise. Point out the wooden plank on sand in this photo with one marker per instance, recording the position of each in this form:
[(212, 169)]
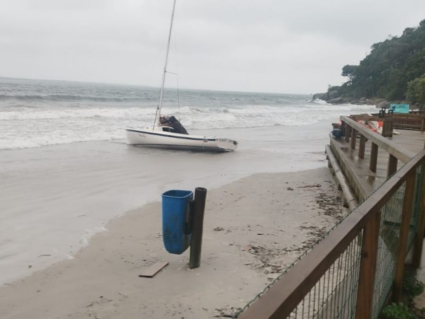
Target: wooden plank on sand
[(153, 270)]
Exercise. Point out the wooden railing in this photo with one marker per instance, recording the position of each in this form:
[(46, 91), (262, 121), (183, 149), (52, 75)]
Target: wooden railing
[(395, 151), (398, 121), (409, 121), (339, 277)]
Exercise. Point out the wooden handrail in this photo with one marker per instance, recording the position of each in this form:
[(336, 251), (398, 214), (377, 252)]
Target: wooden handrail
[(285, 295), (412, 116), (392, 148), (402, 121), (375, 117)]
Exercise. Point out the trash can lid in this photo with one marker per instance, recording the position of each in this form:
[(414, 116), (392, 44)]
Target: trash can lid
[(175, 193)]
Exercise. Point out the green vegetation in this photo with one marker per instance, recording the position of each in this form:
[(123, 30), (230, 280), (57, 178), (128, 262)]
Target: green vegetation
[(416, 91), (411, 288), (394, 70), (397, 311)]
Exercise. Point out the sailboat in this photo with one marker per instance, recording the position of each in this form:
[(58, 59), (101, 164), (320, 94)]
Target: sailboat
[(163, 134)]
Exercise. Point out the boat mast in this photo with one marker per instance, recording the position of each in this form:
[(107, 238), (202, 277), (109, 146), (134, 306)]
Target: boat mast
[(158, 109)]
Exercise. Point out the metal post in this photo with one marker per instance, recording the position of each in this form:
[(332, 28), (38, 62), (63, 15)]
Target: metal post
[(197, 227)]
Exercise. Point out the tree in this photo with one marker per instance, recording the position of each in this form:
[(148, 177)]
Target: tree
[(350, 71), (390, 67), (416, 91)]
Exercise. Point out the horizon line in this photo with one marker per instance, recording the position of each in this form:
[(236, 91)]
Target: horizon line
[(148, 86)]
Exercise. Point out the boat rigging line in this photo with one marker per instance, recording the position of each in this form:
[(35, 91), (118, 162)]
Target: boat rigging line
[(158, 109)]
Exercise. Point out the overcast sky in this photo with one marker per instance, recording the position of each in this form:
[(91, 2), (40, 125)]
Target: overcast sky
[(297, 46)]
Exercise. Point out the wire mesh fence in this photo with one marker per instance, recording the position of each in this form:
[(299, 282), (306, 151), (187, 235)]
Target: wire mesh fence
[(334, 291), (335, 294), (389, 234)]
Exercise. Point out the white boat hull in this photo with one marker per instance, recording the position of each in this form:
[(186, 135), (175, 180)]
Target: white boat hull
[(158, 139)]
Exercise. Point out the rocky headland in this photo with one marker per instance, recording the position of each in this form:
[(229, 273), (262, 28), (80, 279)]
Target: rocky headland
[(333, 97)]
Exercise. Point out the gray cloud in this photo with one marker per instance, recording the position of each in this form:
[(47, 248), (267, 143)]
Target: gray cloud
[(269, 45)]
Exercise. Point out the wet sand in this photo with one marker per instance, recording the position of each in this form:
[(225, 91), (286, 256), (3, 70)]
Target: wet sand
[(254, 228), (53, 199)]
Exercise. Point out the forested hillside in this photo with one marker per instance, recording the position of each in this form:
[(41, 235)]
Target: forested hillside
[(394, 70)]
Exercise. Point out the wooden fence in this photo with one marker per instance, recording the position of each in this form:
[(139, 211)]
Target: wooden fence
[(414, 122), (353, 271), (409, 121), (395, 151)]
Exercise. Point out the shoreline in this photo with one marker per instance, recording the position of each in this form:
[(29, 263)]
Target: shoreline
[(55, 199), (254, 228)]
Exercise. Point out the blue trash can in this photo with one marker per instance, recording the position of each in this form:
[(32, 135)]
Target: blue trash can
[(175, 220)]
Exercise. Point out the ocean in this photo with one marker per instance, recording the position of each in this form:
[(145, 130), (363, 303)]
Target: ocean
[(41, 113), (65, 167)]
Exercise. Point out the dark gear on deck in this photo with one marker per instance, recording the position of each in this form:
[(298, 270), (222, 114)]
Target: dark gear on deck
[(174, 123)]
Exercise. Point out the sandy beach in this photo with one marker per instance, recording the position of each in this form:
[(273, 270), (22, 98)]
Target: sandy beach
[(79, 211), (54, 199), (254, 228)]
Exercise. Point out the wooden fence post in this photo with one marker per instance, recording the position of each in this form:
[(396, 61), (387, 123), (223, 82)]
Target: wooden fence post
[(364, 305), (373, 157), (392, 165), (420, 230), (362, 146), (404, 234), (387, 129), (353, 138), (347, 133)]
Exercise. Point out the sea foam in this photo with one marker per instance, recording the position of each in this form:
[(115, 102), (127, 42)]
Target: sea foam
[(36, 114)]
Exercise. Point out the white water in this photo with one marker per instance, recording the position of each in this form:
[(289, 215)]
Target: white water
[(36, 127)]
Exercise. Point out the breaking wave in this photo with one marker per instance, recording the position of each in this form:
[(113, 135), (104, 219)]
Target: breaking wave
[(34, 114), (72, 98)]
